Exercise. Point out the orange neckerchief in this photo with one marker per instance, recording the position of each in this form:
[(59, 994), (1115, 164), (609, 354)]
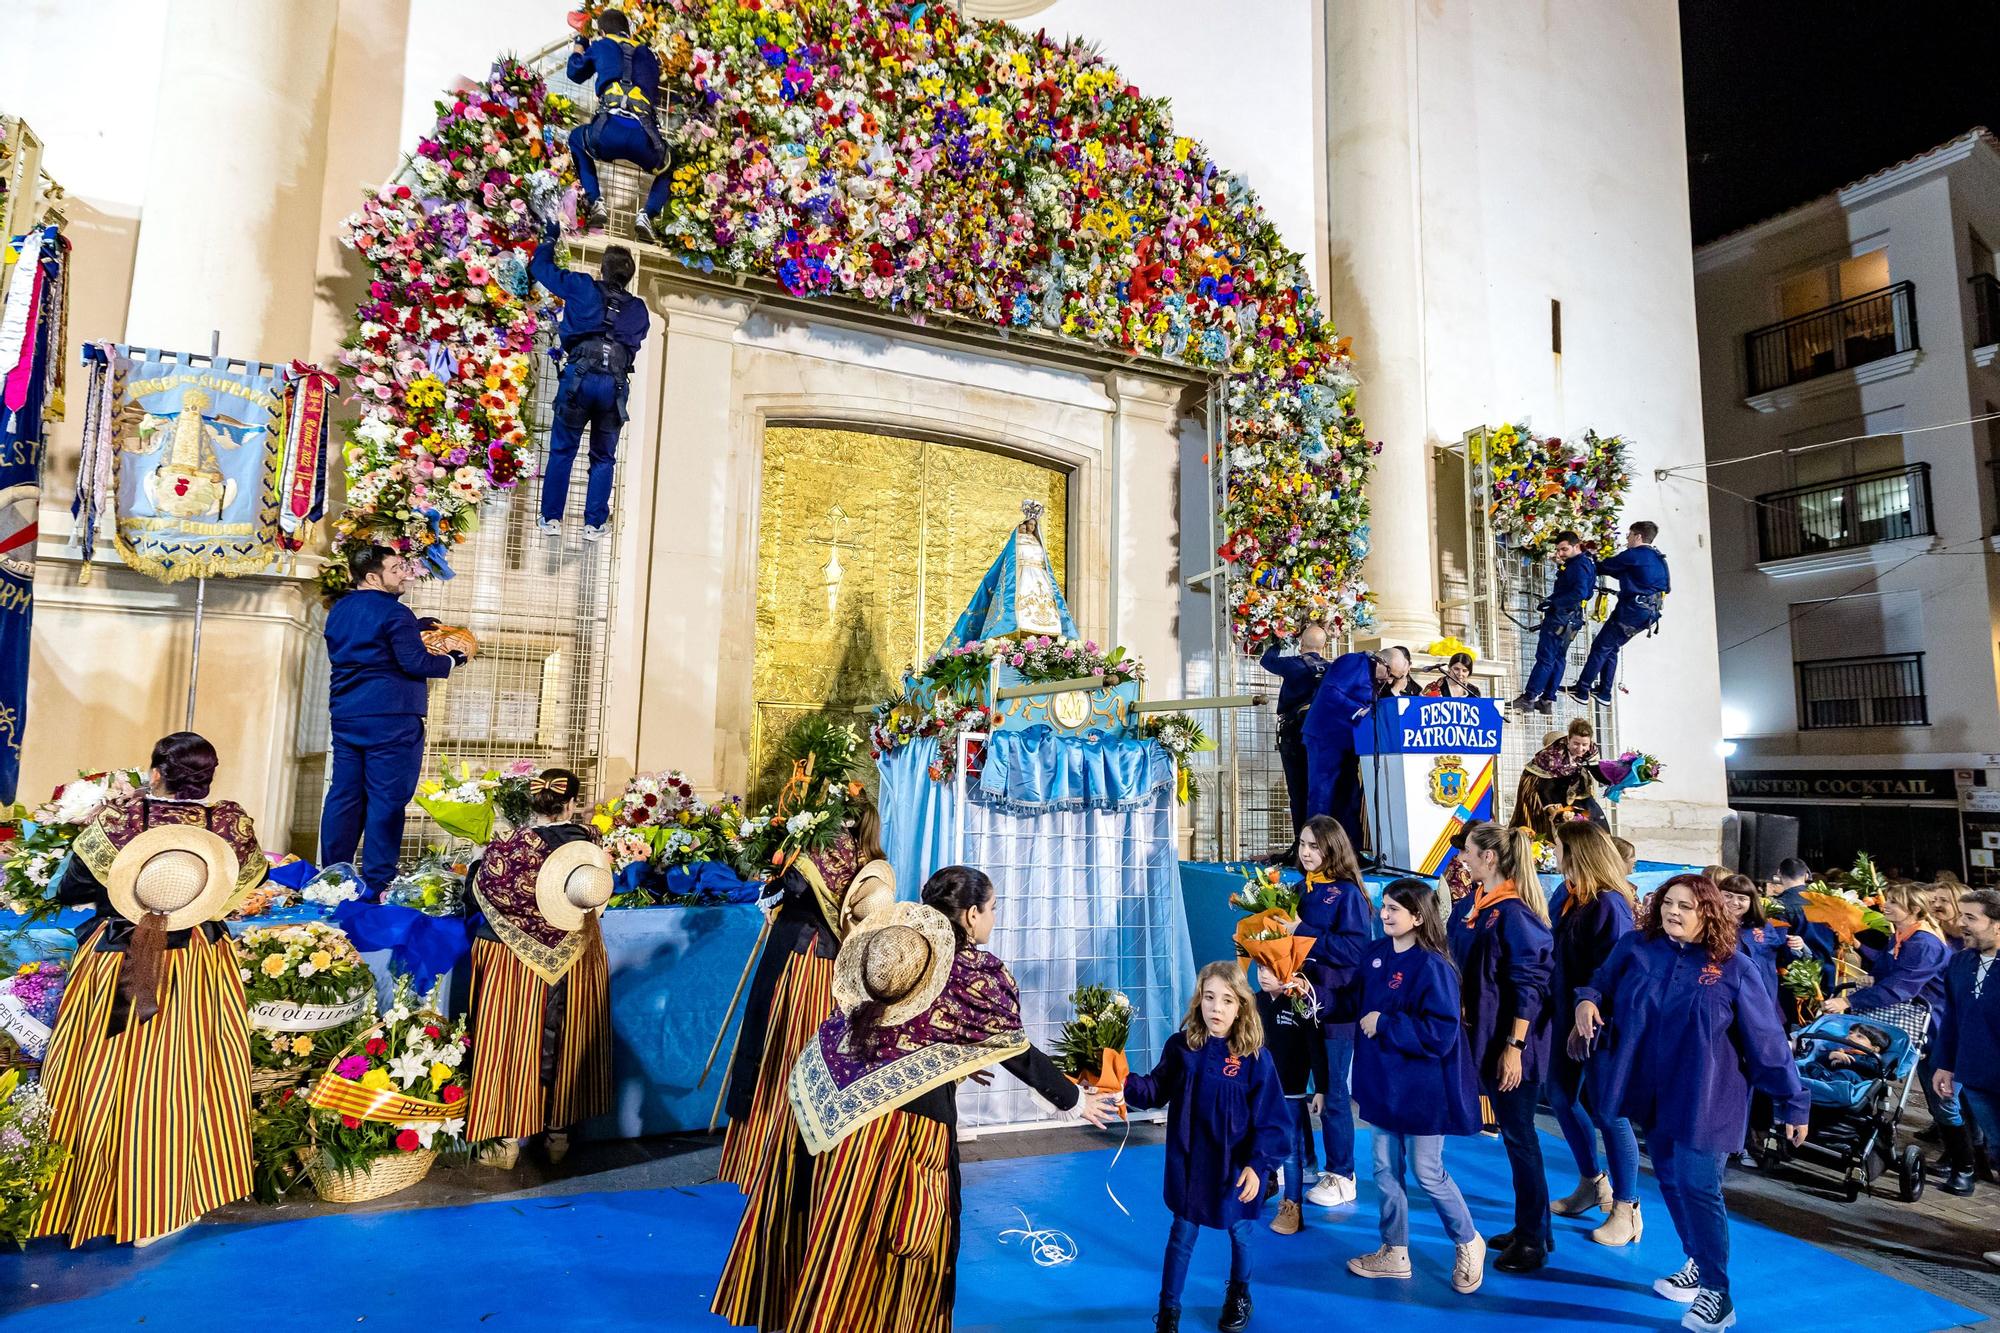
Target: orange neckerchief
[(1896, 949), (1500, 893)]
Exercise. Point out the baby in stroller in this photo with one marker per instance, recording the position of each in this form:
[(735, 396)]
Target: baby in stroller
[(1838, 1071)]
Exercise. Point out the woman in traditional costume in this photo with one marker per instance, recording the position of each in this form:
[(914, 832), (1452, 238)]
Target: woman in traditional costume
[(541, 1006), (1558, 778), (823, 895), (148, 1069), (866, 1241)]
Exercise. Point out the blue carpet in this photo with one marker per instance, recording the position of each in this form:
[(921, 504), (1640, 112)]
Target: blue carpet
[(648, 1259)]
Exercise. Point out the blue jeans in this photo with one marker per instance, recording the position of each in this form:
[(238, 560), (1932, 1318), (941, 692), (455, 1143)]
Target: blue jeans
[(1336, 1118), (1581, 1125), (1180, 1249), (595, 399), (1982, 1109), (1691, 1183), (1426, 1153), (1298, 1147), (1514, 1112), (611, 138), (1551, 647), (1944, 1110), (1601, 667), (376, 763)]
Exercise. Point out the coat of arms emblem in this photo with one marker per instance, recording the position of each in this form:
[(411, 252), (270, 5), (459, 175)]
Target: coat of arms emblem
[(1448, 780)]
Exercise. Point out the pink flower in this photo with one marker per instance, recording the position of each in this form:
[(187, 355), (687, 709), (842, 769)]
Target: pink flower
[(354, 1066)]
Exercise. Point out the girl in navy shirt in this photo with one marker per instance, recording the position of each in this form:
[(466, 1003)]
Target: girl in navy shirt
[(1413, 1078), (1505, 958), (1334, 908), (1766, 943), (1225, 1129), (1595, 910), (1685, 1032)]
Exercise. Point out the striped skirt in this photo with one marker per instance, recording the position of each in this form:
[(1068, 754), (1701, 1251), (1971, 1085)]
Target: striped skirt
[(802, 1001), (509, 1007), (156, 1120), (872, 1254)]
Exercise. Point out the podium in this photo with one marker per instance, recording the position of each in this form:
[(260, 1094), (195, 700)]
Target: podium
[(1427, 770)]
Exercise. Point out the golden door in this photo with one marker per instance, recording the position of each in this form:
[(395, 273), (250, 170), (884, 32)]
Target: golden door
[(868, 548)]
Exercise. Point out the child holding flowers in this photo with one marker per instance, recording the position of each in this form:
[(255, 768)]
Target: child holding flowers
[(1226, 1127), (1334, 909)]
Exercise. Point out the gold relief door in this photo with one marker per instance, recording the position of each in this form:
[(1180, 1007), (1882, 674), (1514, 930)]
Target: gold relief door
[(868, 548)]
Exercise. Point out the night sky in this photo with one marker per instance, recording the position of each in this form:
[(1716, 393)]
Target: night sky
[(1788, 99)]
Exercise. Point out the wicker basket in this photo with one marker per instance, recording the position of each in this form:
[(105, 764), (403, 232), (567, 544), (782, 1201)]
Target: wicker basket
[(383, 1176), (273, 1080)]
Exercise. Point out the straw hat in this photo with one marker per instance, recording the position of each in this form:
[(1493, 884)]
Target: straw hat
[(574, 881), (900, 957), (183, 872)]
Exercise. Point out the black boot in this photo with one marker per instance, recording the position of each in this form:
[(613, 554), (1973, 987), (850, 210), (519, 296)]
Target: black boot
[(1168, 1320), (1958, 1182), (1235, 1308), (1958, 1152), (1521, 1257)]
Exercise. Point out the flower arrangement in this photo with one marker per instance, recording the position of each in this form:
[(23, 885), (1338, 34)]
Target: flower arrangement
[(29, 1000), (434, 886), (443, 345), (905, 719), (658, 820), (33, 843), (1633, 768), (337, 884), (1101, 1027), (1264, 890), (812, 809), (900, 155), (1542, 486), (1181, 736), (422, 1060), (962, 670), (28, 1160)]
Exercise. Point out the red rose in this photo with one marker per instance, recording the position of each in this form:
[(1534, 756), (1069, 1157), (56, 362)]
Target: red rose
[(349, 1122), (452, 1094), (376, 1046), (287, 1095), (431, 1031), (407, 1140)]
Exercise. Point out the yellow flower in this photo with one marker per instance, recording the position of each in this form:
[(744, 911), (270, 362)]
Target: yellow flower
[(375, 1078), (302, 1045), (321, 960), (25, 968), (440, 1073), (274, 965)]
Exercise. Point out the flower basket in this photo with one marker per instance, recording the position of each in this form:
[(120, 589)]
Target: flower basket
[(382, 1176)]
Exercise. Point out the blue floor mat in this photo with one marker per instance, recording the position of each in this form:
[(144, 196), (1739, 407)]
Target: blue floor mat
[(647, 1259)]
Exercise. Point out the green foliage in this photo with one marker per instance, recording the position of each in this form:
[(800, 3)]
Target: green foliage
[(1103, 1022)]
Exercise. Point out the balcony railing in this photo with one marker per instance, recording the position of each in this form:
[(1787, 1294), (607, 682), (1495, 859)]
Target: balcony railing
[(1985, 309), (1886, 691), (1839, 515), (1867, 328)]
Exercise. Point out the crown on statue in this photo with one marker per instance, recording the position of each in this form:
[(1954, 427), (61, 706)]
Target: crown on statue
[(1031, 517)]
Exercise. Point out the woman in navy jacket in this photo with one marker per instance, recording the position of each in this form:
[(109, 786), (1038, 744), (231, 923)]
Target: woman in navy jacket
[(1967, 1050), (1594, 911), (1682, 1023), (1413, 1078), (1334, 909), (1911, 968), (1505, 957)]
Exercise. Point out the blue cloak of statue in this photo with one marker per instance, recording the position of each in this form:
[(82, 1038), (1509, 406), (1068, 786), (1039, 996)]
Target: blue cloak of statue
[(1019, 595)]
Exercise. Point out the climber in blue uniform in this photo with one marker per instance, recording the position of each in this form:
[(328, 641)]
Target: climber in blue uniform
[(603, 327), (626, 127), (1643, 585), (1562, 616), (1346, 693), (1299, 675)]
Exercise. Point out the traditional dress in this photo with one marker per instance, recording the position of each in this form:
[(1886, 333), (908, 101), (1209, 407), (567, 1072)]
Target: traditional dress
[(866, 1240), (541, 1006), (790, 996), (153, 1110), (1555, 778)]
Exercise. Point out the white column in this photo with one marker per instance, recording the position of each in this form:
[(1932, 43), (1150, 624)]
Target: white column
[(1375, 292), (230, 232), (692, 669), (1145, 598)]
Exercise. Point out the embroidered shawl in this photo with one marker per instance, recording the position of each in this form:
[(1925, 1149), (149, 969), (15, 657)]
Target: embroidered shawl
[(1555, 761), (975, 1022), (123, 820), (505, 891), (828, 872)]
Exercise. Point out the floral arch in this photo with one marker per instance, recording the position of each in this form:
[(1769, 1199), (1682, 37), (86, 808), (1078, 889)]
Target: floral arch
[(893, 154)]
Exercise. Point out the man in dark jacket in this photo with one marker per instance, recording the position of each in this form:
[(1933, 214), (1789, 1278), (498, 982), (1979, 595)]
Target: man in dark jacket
[(1299, 676), (378, 693), (1562, 617), (1345, 695), (626, 127), (1966, 1054), (1643, 585), (1788, 890), (604, 325)]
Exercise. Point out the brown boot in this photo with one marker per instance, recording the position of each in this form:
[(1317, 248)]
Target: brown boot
[(1288, 1221), (1590, 1192), (1623, 1227)]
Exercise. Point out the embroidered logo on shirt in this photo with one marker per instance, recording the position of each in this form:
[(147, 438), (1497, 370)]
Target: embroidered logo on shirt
[(1757, 934), (1493, 917), (1232, 1066), (1710, 975), (1395, 980)]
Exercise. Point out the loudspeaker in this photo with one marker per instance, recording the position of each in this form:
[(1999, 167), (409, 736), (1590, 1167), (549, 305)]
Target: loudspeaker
[(1777, 838), (1732, 837)]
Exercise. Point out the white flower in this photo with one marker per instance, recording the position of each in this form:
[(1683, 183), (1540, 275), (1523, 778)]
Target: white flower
[(1118, 998), (79, 801), (408, 1067), (307, 969), (244, 972)]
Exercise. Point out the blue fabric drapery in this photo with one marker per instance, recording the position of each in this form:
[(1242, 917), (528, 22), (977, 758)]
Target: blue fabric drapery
[(426, 947), (919, 819), (1031, 770)]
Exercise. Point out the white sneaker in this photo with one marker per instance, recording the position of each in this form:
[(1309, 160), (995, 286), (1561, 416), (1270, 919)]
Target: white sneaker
[(1712, 1312), (1682, 1286), (593, 535), (549, 527), (1332, 1191)]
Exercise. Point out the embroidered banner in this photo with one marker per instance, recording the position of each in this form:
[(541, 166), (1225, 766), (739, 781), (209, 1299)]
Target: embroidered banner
[(292, 1016), (181, 460), (23, 1027)]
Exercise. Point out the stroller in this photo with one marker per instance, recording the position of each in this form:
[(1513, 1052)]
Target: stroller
[(1853, 1135)]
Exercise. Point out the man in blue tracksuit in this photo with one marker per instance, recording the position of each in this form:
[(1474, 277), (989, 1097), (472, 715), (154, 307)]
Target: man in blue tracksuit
[(626, 127), (1299, 678), (1643, 585), (604, 324), (378, 693), (1345, 695), (1562, 617)]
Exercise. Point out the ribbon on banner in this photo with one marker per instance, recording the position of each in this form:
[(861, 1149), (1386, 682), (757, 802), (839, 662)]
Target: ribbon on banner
[(343, 1096), (293, 1016), (23, 1027), (301, 476)]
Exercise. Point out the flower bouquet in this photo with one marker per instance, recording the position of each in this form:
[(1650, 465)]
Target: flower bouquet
[(28, 1160), (382, 1113), (1266, 939), (812, 807), (1095, 1038), (1799, 983), (1542, 486), (33, 843), (29, 1000), (1181, 736), (338, 883), (462, 807), (1265, 890), (1849, 908), (434, 886), (1630, 770)]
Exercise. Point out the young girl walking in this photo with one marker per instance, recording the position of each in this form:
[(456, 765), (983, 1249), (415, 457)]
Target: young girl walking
[(1333, 908), (1414, 1080), (1226, 1127)]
